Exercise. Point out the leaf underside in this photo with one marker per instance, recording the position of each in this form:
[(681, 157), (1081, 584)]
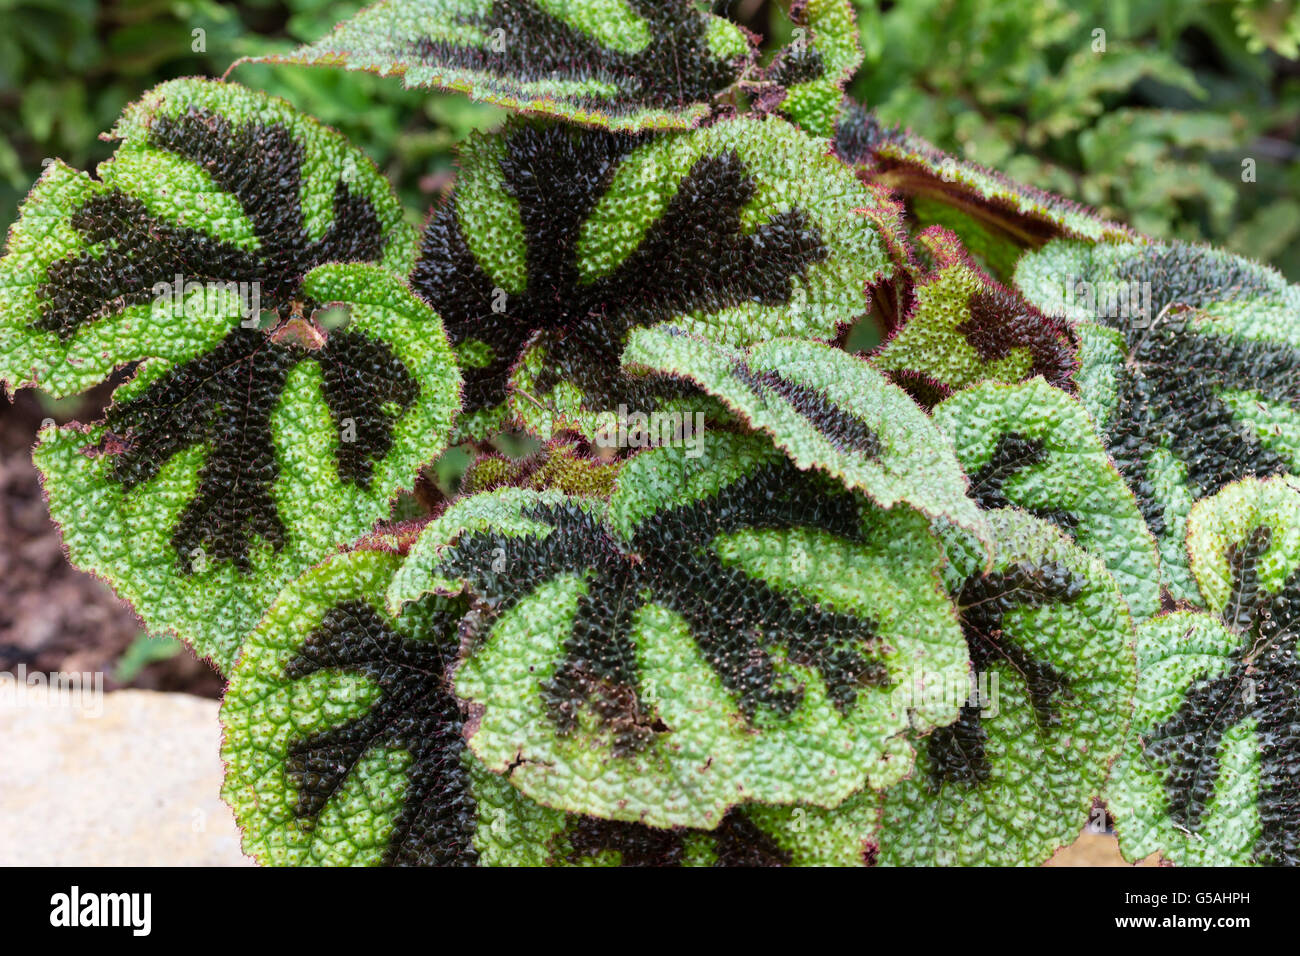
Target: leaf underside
[(1009, 211)]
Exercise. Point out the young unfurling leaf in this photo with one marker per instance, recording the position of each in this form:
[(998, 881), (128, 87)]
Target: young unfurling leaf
[(1208, 776), (1034, 447), (250, 440), (1190, 365), (826, 409), (558, 241), (963, 327), (620, 64), (812, 70), (726, 630)]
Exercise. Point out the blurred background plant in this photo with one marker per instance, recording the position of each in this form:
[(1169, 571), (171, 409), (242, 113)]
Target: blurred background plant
[(68, 67), (1151, 121)]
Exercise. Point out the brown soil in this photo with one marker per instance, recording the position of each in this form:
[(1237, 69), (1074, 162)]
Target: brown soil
[(52, 616)]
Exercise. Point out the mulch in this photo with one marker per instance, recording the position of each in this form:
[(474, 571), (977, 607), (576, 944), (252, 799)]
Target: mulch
[(54, 618)]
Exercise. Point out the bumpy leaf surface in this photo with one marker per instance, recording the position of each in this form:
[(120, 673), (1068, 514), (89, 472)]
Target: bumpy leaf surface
[(558, 241), (344, 746), (235, 456), (1007, 211), (826, 409), (514, 831), (1190, 363), (522, 833), (212, 182), (1211, 772), (619, 64), (963, 327), (727, 630), (1051, 644), (812, 71), (1034, 447), (342, 743)]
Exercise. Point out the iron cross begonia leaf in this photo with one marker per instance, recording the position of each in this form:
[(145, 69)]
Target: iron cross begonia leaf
[(558, 241), (1190, 365), (727, 629), (249, 440), (618, 64), (1210, 775)]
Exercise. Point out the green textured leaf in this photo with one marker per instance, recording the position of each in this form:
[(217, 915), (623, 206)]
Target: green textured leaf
[(813, 69), (751, 836), (907, 163), (558, 241), (826, 409), (213, 483), (344, 746), (1208, 776), (514, 831), (1034, 447), (1190, 365), (234, 456), (212, 182), (848, 835), (620, 64), (558, 465), (1051, 643), (963, 327), (726, 630)]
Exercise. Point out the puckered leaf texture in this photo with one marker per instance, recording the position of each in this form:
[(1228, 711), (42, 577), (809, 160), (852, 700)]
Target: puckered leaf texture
[(345, 746), (1210, 775), (211, 182), (1035, 447), (726, 630), (618, 64), (1051, 646), (249, 439), (215, 482), (826, 409), (963, 327), (1190, 363), (558, 241), (812, 70), (1042, 716)]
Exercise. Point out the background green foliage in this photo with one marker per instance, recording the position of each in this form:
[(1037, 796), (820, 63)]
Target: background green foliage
[(1153, 131)]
